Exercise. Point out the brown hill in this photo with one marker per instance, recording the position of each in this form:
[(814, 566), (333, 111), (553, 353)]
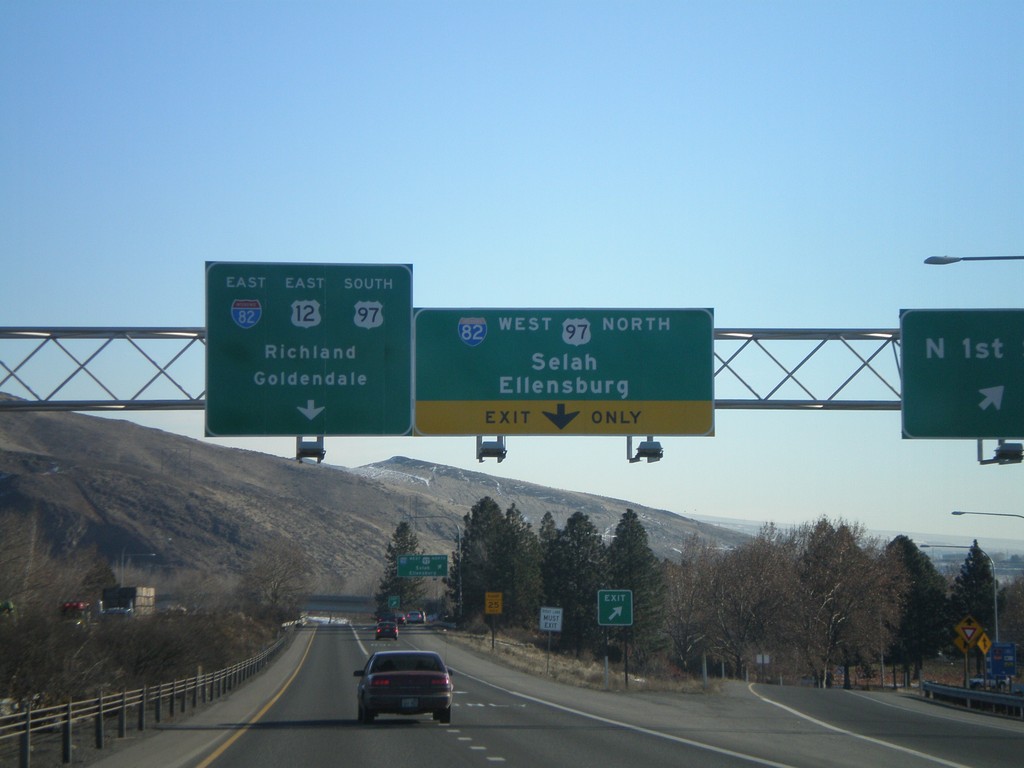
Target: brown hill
[(119, 487)]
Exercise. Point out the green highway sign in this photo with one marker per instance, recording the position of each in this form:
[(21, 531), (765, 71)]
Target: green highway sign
[(963, 373), (564, 371), (308, 349), (422, 566), (615, 607)]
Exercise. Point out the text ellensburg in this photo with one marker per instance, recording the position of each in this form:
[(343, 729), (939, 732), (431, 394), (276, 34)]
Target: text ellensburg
[(574, 385)]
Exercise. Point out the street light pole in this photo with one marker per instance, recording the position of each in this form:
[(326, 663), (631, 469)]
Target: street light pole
[(955, 259)]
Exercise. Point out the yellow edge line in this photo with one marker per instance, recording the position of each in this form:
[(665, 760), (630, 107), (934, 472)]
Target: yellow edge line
[(256, 718)]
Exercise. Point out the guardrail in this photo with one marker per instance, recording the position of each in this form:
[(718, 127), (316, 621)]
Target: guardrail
[(19, 731), (999, 703)]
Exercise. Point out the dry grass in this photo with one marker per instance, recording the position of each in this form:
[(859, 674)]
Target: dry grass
[(526, 656)]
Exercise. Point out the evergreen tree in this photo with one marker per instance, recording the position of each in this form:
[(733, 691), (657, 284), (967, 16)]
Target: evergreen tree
[(409, 591), (548, 539), (517, 571), (574, 569), (923, 626), (481, 531), (973, 592), (500, 553), (632, 565)]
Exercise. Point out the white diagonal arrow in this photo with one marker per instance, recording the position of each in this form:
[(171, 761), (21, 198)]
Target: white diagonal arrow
[(311, 411), (993, 396), (616, 612)]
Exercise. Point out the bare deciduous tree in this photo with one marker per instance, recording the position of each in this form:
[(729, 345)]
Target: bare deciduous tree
[(848, 594), (277, 580)]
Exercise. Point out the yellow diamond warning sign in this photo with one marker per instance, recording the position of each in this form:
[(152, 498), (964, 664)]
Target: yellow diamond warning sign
[(968, 629)]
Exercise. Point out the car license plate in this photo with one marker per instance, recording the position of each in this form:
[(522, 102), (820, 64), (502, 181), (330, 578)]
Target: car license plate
[(410, 703)]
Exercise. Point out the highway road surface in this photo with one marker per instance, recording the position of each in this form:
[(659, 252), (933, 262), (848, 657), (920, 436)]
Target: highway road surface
[(302, 711)]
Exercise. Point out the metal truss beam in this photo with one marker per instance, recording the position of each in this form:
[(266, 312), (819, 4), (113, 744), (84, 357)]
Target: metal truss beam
[(153, 369)]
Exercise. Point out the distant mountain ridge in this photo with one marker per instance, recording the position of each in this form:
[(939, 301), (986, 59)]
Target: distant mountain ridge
[(119, 487)]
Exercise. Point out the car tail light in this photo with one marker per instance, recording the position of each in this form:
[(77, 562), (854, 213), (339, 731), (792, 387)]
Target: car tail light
[(443, 680), (379, 682)]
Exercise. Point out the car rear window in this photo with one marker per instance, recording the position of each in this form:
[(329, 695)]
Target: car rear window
[(408, 663)]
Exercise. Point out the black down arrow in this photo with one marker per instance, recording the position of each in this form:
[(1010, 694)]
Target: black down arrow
[(560, 418)]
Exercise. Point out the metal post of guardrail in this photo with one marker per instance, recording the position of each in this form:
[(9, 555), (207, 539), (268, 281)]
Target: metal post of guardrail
[(142, 710), (26, 737), (195, 692), (159, 697), (122, 716), (65, 751), (170, 699), (99, 720)]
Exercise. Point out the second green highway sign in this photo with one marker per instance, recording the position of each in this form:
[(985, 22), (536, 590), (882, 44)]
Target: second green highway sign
[(564, 371)]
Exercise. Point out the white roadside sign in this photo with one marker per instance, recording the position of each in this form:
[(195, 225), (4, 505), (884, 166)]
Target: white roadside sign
[(550, 619)]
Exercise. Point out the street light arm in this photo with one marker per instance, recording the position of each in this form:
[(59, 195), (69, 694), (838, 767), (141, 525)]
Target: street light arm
[(955, 259), (987, 514)]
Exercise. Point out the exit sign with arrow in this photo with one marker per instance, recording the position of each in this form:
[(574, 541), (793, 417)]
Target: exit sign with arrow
[(615, 607), (963, 373), (564, 371)]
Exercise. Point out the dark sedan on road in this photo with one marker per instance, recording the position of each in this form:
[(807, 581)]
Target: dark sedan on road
[(404, 683)]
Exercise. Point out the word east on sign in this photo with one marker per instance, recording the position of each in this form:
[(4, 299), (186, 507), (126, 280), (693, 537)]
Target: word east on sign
[(297, 349), (564, 371)]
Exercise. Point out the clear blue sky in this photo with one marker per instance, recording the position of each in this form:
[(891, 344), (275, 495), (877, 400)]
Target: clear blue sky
[(789, 164)]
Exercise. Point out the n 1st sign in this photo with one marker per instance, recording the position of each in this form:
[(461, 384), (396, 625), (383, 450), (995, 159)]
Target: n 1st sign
[(308, 349), (963, 373), (564, 371)]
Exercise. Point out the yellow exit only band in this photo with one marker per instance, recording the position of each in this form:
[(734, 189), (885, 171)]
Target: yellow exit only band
[(564, 417)]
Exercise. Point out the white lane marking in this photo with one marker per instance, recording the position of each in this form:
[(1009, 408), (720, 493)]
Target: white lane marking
[(955, 716), (635, 728), (358, 641), (870, 739)]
